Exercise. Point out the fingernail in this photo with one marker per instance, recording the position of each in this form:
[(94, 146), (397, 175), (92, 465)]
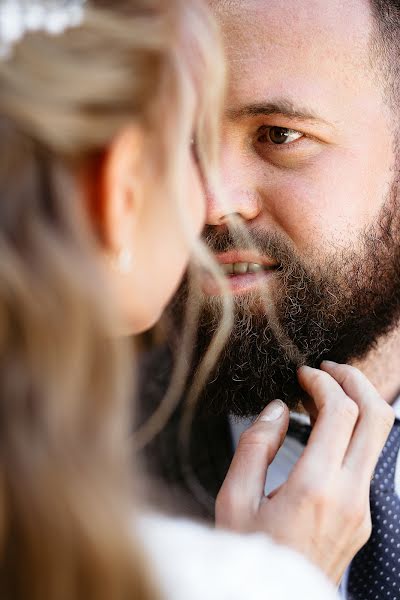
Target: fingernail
[(304, 369), (273, 411), (329, 363)]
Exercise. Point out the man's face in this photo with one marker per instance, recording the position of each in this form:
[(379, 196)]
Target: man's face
[(303, 65), (308, 164)]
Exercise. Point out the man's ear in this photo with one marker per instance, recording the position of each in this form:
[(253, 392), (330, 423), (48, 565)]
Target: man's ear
[(116, 193)]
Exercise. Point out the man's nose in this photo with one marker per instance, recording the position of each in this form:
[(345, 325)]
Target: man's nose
[(237, 197), (244, 204)]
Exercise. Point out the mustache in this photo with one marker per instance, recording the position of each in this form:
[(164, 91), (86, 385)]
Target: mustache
[(239, 237)]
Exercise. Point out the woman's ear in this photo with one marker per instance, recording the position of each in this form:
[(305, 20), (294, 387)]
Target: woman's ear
[(117, 193)]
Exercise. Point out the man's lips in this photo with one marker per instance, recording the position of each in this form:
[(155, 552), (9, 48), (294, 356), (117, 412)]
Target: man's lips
[(236, 256), (244, 271)]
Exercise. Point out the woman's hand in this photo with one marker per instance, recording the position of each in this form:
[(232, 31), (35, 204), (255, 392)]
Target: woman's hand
[(323, 509)]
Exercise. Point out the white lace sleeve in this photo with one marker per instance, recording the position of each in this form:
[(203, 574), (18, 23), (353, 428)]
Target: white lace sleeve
[(193, 562)]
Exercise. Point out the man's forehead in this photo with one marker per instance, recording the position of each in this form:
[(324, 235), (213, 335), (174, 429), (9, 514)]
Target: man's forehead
[(294, 22), (312, 10), (297, 46)]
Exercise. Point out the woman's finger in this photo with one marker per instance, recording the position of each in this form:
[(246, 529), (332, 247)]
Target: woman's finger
[(374, 423), (244, 484), (334, 426)]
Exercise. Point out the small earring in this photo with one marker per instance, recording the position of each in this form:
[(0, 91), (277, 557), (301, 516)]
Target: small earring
[(124, 260)]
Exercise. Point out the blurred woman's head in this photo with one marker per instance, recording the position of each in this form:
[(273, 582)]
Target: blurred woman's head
[(101, 200), (123, 107)]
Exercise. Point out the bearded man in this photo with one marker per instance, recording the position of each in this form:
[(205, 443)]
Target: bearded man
[(310, 158)]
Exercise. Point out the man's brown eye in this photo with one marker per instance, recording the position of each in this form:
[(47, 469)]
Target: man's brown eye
[(278, 135)]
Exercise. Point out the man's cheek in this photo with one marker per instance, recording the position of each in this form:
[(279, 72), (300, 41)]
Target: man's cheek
[(298, 210), (316, 213)]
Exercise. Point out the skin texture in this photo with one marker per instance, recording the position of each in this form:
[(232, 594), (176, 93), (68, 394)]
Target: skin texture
[(324, 189)]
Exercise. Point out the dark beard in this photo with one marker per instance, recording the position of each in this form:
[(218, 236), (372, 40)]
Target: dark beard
[(337, 310)]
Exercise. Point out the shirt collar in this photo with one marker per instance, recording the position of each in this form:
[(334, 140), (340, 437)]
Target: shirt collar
[(396, 408)]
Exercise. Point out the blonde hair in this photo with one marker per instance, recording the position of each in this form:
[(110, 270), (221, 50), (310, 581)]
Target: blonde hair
[(66, 522)]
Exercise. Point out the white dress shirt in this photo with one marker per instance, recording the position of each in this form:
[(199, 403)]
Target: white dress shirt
[(289, 454)]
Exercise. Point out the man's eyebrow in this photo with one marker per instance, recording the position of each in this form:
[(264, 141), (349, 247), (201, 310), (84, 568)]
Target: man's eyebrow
[(277, 107)]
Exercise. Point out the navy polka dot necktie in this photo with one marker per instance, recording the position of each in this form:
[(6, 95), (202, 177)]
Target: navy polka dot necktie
[(375, 571)]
